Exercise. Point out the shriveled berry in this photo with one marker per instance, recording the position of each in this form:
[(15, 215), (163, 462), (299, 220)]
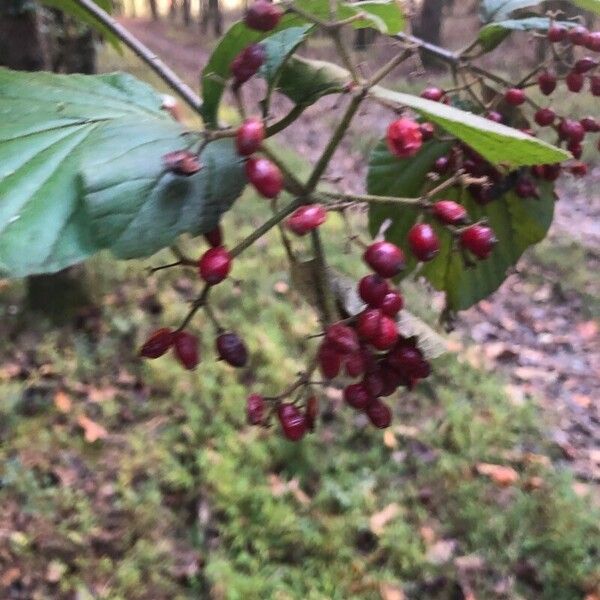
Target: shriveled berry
[(544, 117), (355, 364), (579, 35), (479, 239), (249, 136), (590, 124), (330, 361), (182, 162), (427, 131), (247, 63), (387, 335), (265, 176), (385, 258), (583, 65), (372, 289), (342, 338), (450, 212), (311, 412), (547, 82), (404, 138), (186, 349), (579, 169), (357, 396), (214, 237), (525, 188), (515, 96), (306, 218), (392, 303), (433, 93), (293, 422), (593, 41), (214, 265), (442, 165), (557, 33), (379, 414), (595, 85), (263, 15), (231, 349), (423, 241), (574, 82), (367, 324), (158, 343), (255, 409)]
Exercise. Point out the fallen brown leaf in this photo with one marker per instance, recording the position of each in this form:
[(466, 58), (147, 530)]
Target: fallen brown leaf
[(388, 591), (389, 439), (380, 519), (92, 431), (499, 474), (62, 401), (10, 576), (441, 552)]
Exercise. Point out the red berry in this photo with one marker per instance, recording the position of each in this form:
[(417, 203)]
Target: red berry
[(255, 409), (576, 149), (306, 218), (379, 414), (249, 136), (427, 131), (158, 343), (232, 349), (355, 365), (574, 82), (367, 324), (182, 162), (293, 422), (590, 124), (547, 82), (263, 16), (571, 130), (583, 65), (385, 258), (579, 35), (265, 176), (593, 41), (404, 138), (544, 117), (342, 338), (479, 239), (450, 212), (214, 237), (391, 380), (525, 188), (373, 383), (247, 63), (515, 96), (579, 169), (494, 116), (186, 349), (387, 335), (595, 85), (392, 303), (433, 93), (551, 172), (214, 265), (311, 412), (372, 289), (556, 33), (405, 360), (330, 361), (357, 396), (423, 241)]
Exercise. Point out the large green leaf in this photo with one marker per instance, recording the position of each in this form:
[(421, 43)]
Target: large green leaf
[(517, 223), (591, 5), (500, 10), (497, 143)]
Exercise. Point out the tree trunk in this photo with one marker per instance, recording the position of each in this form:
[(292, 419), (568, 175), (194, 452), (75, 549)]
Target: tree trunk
[(186, 9), (173, 10), (22, 46), (428, 26), (211, 10), (153, 10)]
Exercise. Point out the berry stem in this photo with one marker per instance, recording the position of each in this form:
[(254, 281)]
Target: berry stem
[(325, 298), (372, 199), (198, 303), (286, 121)]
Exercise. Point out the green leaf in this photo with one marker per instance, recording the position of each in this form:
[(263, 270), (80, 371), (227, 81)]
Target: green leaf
[(591, 5), (135, 208), (500, 10), (494, 33), (497, 143), (72, 8)]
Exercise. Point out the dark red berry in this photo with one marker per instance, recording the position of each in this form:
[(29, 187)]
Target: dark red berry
[(311, 412), (379, 414), (265, 176), (249, 136), (595, 85), (551, 172), (232, 349), (182, 162), (576, 149), (214, 237), (355, 364), (405, 360), (450, 212), (494, 116), (367, 324), (544, 117), (255, 409), (330, 361), (342, 338), (433, 93), (442, 165), (387, 335), (392, 303), (525, 188), (579, 169), (391, 380), (214, 265), (158, 343), (479, 239), (571, 130), (247, 63), (515, 96), (373, 383), (293, 422), (404, 138), (423, 241), (427, 131), (556, 33), (263, 16), (583, 65), (306, 218), (593, 41), (372, 289), (186, 349), (357, 396), (574, 82), (547, 82), (579, 35), (590, 124), (385, 258)]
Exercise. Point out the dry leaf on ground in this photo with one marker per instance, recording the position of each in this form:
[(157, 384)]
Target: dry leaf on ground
[(499, 474)]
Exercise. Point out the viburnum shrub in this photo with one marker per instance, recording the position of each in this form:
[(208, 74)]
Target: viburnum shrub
[(460, 185)]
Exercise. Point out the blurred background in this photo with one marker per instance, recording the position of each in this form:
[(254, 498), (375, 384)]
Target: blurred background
[(128, 480)]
